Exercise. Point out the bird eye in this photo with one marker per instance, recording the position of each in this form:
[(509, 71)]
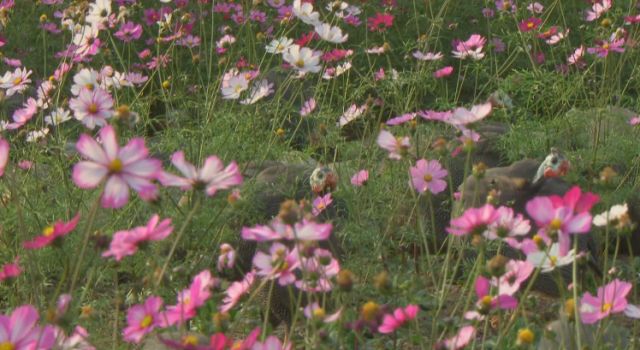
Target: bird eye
[(554, 160)]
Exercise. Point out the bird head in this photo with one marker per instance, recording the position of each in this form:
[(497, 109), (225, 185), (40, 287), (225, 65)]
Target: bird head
[(323, 179), (554, 165)]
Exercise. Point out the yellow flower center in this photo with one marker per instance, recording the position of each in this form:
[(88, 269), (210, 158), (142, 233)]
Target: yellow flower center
[(93, 108), (7, 346), (279, 48), (300, 63), (370, 310), (89, 86), (190, 340), (115, 166), (530, 25), (319, 313), (428, 177), (17, 81), (525, 336), (606, 307), (146, 321), (238, 89), (605, 46), (486, 301), (553, 260), (555, 224), (48, 231)]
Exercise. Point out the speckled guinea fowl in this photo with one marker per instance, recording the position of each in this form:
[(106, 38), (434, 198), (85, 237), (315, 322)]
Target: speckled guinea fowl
[(276, 182), (514, 186)]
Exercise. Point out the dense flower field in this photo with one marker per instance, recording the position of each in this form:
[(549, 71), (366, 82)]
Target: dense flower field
[(278, 174)]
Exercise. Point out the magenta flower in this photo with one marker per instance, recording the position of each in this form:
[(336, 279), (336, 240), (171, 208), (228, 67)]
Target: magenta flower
[(10, 270), (610, 299), (236, 290), (529, 24), (603, 47), (189, 300), (77, 339), (121, 168), (395, 146), (142, 319), (475, 221), (508, 225), (428, 175), (4, 155), (597, 9), (321, 203), (317, 271), (280, 263), (125, 243), (400, 316), (52, 233), (20, 330), (487, 302), (92, 107), (443, 72), (360, 178), (213, 176), (380, 22), (304, 231), (129, 32)]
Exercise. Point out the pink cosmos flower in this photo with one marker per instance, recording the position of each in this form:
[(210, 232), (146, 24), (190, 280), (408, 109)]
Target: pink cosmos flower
[(633, 122), (535, 7), (577, 57), (77, 339), (18, 81), (517, 271), (10, 270), (22, 115), (463, 116), (317, 271), (4, 155), (321, 203), (227, 257), (313, 311), (475, 221), (213, 176), (52, 233), (92, 107), (458, 341), (472, 47), (597, 9), (360, 178), (142, 319), (508, 225), (189, 300), (129, 31), (380, 22), (427, 56), (20, 330), (563, 215), (304, 231), (610, 299), (603, 47), (236, 290), (443, 72), (487, 302), (280, 263), (125, 243), (401, 119), (400, 316), (395, 146), (428, 175), (529, 24), (308, 107), (121, 168), (271, 343)]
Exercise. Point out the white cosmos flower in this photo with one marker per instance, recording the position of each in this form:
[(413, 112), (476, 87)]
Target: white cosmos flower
[(33, 136), (330, 33), (304, 59), (57, 117), (234, 87), (350, 114), (428, 56), (617, 215), (548, 261), (261, 89), (279, 46), (304, 11)]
